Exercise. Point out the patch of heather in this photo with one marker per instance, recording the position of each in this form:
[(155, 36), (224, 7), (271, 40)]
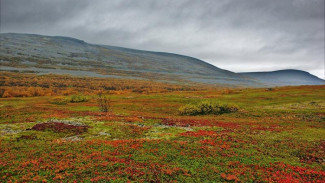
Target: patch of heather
[(60, 128)]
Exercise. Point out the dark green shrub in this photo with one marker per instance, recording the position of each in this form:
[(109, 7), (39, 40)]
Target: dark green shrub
[(207, 107), (77, 98), (69, 99)]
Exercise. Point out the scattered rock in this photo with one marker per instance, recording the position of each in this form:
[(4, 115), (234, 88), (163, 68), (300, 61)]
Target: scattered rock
[(10, 131), (140, 124), (68, 122), (72, 138), (104, 133), (169, 126)]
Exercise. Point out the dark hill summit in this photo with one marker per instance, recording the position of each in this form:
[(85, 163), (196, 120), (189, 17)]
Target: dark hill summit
[(286, 77)]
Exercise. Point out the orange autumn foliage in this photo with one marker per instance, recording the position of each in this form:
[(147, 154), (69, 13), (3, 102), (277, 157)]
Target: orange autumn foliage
[(29, 85)]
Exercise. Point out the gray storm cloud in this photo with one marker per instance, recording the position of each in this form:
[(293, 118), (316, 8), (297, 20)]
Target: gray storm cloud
[(241, 36)]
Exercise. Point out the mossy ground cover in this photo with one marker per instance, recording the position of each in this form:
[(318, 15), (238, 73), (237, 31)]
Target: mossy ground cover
[(275, 136)]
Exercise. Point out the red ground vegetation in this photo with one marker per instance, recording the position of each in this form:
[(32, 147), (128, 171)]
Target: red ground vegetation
[(60, 128)]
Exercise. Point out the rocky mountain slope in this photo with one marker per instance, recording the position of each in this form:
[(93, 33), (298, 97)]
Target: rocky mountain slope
[(64, 55)]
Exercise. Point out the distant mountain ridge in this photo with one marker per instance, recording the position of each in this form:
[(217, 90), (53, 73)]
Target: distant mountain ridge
[(285, 77), (65, 55)]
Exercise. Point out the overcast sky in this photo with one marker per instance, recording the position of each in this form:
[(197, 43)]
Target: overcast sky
[(237, 35)]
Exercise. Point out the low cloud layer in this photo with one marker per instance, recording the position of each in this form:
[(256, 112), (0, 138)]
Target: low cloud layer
[(241, 36)]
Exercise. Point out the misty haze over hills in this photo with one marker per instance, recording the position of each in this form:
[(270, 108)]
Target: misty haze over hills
[(64, 55)]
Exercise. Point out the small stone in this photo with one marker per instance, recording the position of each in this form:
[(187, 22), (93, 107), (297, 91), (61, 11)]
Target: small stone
[(104, 133), (72, 138)]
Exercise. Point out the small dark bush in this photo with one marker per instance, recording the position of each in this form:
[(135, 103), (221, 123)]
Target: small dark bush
[(104, 103), (207, 107), (70, 99), (77, 98)]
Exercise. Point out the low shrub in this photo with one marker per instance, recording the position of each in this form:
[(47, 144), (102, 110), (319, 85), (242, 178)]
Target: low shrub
[(59, 101), (104, 103), (207, 107), (70, 99), (77, 98)]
